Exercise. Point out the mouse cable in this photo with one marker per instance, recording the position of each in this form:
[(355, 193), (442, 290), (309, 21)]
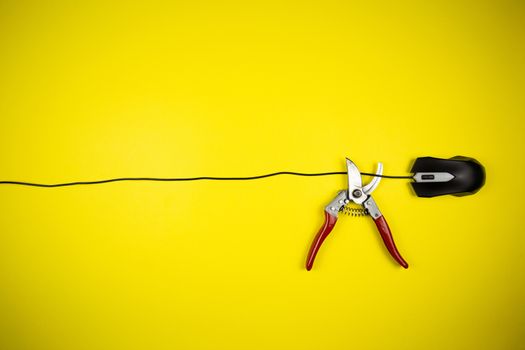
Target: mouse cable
[(167, 179)]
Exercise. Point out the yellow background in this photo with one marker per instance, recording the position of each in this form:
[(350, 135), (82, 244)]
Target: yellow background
[(107, 89)]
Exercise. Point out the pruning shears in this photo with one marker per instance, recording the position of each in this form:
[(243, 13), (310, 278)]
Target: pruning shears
[(361, 195)]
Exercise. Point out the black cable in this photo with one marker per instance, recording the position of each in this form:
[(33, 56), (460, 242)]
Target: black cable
[(189, 179), (389, 176)]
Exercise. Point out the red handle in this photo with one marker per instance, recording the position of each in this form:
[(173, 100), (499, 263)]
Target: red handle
[(329, 223), (384, 230)]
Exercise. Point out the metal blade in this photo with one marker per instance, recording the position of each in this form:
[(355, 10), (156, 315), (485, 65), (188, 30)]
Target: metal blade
[(372, 185), (354, 176)]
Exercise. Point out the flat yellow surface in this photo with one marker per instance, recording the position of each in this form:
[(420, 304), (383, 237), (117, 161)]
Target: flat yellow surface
[(109, 89)]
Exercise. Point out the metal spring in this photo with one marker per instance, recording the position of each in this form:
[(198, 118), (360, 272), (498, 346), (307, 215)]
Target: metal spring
[(351, 211)]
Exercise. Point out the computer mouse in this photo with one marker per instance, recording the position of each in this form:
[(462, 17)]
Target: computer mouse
[(458, 176)]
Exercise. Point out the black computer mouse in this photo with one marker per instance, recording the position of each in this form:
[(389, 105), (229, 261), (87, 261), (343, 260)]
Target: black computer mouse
[(459, 176)]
